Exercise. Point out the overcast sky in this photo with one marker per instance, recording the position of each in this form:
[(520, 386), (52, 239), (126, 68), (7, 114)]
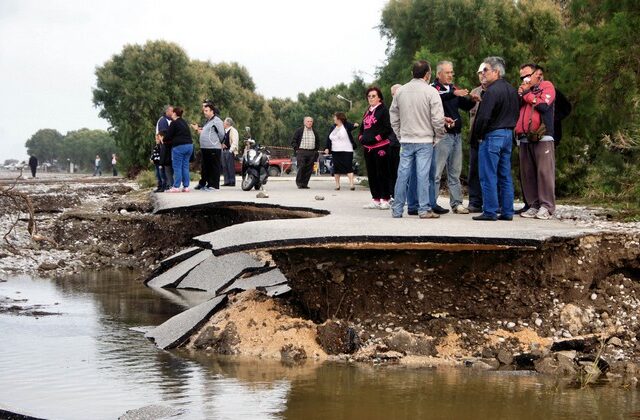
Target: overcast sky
[(49, 50)]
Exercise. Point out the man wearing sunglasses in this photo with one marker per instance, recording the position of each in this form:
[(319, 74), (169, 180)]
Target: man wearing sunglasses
[(535, 134), (493, 129)]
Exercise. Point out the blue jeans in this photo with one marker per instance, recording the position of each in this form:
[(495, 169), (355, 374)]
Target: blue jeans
[(494, 160), (418, 155), (180, 155), (449, 154), (412, 193), (160, 176)]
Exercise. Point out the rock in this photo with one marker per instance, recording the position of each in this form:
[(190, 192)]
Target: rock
[(262, 194), (547, 366), (538, 322), (594, 296), (151, 412), (319, 197), (511, 325), (505, 357), (569, 355), (48, 265), (494, 363), (478, 365), (336, 338), (615, 341), (123, 212), (573, 318), (290, 353)]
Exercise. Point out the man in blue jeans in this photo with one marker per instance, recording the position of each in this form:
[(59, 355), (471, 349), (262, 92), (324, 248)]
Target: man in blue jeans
[(493, 128), (449, 150), (417, 118)]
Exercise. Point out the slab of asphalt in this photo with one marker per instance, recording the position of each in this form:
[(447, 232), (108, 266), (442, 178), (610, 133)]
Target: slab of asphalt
[(215, 273), (347, 224), (173, 275), (177, 329), (259, 281)]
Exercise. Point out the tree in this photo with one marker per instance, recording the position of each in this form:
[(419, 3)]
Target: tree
[(82, 146), (132, 88), (45, 145)]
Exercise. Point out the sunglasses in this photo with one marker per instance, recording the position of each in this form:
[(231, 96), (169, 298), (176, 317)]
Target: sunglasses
[(524, 77)]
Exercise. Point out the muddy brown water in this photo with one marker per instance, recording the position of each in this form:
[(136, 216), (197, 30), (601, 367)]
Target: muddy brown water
[(91, 360)]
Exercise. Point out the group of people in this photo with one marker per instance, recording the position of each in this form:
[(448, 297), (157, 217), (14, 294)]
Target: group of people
[(424, 119), (97, 167), (174, 150)]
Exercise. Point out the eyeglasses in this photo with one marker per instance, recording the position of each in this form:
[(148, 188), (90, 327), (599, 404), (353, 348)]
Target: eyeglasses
[(486, 70), (372, 96), (524, 77)]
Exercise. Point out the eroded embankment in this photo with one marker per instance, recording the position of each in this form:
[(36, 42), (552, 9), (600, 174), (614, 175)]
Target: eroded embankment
[(547, 309)]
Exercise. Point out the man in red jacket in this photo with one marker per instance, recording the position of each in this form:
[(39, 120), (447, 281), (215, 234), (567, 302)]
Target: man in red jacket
[(534, 131)]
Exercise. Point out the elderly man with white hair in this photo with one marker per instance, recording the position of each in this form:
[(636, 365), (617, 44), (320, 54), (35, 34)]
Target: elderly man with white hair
[(229, 152), (305, 143)]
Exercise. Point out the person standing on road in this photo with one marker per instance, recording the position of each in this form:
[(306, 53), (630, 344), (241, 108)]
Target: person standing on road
[(305, 143), (98, 166), (493, 128), (33, 165), (535, 131), (449, 150), (475, 191), (165, 157), (340, 145), (211, 136), (179, 136), (229, 152), (417, 117), (114, 162), (374, 137)]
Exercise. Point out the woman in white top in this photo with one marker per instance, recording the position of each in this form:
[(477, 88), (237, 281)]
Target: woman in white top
[(341, 145)]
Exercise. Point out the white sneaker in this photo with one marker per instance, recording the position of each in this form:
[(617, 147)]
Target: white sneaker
[(460, 209), (530, 214), (372, 205), (543, 214), (384, 205)]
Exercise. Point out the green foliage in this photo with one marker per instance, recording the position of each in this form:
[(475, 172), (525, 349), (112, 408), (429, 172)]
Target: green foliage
[(147, 179), (132, 88), (45, 145), (82, 146)]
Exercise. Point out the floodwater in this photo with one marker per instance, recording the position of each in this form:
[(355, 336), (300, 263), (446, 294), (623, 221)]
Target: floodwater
[(92, 362)]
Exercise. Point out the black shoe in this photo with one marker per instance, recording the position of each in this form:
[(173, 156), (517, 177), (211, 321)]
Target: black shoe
[(303, 187), (474, 209), (199, 187), (412, 212), (505, 217), (485, 217), (158, 190), (439, 210), (523, 209)]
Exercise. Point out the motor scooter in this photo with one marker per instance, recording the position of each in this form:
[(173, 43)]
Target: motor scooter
[(255, 166)]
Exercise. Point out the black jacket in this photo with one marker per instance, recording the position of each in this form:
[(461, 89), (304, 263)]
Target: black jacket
[(375, 128), (451, 103), (297, 138), (499, 108), (349, 127), (178, 133)]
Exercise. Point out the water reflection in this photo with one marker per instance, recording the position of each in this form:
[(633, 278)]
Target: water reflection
[(93, 362)]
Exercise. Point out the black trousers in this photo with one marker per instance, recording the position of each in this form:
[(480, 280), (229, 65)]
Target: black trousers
[(228, 167), (305, 160), (379, 172), (211, 168), (394, 162), (475, 191), (33, 171)]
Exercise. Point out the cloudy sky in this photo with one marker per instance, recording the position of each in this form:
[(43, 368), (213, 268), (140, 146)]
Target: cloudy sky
[(49, 50)]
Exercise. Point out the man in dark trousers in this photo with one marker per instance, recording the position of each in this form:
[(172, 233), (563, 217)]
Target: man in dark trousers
[(493, 128), (306, 144), (33, 164)]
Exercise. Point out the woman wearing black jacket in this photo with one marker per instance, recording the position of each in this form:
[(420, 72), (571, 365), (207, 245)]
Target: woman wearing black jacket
[(179, 136), (341, 145), (374, 137)]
